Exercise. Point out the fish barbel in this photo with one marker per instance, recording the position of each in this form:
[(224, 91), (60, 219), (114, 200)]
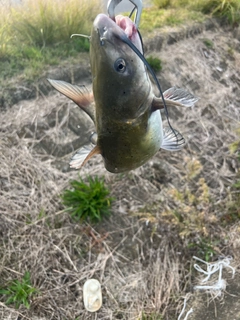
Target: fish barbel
[(127, 112)]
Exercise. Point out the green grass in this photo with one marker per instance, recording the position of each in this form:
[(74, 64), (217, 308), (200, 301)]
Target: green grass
[(228, 9), (37, 33), (204, 248), (87, 201), (19, 292), (33, 60), (155, 63), (208, 43), (154, 17)]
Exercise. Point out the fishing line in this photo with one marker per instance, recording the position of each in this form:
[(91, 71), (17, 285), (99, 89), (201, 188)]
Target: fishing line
[(131, 13), (125, 39), (140, 36)]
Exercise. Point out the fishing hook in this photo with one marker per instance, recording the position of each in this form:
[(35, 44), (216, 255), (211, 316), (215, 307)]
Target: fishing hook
[(137, 5)]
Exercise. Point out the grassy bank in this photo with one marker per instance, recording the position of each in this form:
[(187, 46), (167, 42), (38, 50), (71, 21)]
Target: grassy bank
[(228, 9), (174, 12), (37, 32)]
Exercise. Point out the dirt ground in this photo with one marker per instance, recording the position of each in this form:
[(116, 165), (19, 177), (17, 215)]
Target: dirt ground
[(174, 207)]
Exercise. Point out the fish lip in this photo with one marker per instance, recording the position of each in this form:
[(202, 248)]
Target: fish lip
[(107, 28), (118, 31), (103, 23), (102, 20)]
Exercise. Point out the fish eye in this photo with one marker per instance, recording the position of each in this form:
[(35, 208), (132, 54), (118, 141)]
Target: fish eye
[(120, 65)]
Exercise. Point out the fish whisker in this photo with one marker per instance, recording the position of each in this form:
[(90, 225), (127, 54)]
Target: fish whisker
[(81, 35), (101, 38)]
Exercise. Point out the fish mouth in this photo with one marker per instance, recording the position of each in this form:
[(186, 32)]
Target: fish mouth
[(127, 25), (119, 27)]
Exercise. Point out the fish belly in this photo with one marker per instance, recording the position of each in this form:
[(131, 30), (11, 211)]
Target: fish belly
[(131, 146), (154, 135)]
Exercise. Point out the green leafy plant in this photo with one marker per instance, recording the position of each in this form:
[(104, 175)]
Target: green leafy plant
[(208, 43), (155, 63), (87, 201), (204, 248), (19, 291)]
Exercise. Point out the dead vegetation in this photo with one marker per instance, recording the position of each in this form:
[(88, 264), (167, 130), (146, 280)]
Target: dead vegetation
[(164, 213)]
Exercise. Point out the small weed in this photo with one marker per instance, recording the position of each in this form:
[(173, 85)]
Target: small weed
[(88, 201), (192, 210), (208, 43), (204, 248), (232, 215), (19, 292), (233, 205), (194, 167), (230, 51), (232, 210), (28, 218), (42, 214), (234, 146), (155, 63)]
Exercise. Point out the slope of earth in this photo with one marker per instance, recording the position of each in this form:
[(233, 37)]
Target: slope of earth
[(175, 206)]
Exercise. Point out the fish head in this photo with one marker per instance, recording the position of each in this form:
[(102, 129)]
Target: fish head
[(120, 80)]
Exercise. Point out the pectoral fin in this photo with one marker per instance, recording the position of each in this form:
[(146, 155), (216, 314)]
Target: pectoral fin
[(175, 97), (78, 94), (83, 155), (172, 140)]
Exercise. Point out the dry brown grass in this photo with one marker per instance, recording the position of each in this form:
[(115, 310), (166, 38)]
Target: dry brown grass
[(38, 236)]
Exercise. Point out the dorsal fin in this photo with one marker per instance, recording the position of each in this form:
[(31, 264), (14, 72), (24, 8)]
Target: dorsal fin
[(78, 94)]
